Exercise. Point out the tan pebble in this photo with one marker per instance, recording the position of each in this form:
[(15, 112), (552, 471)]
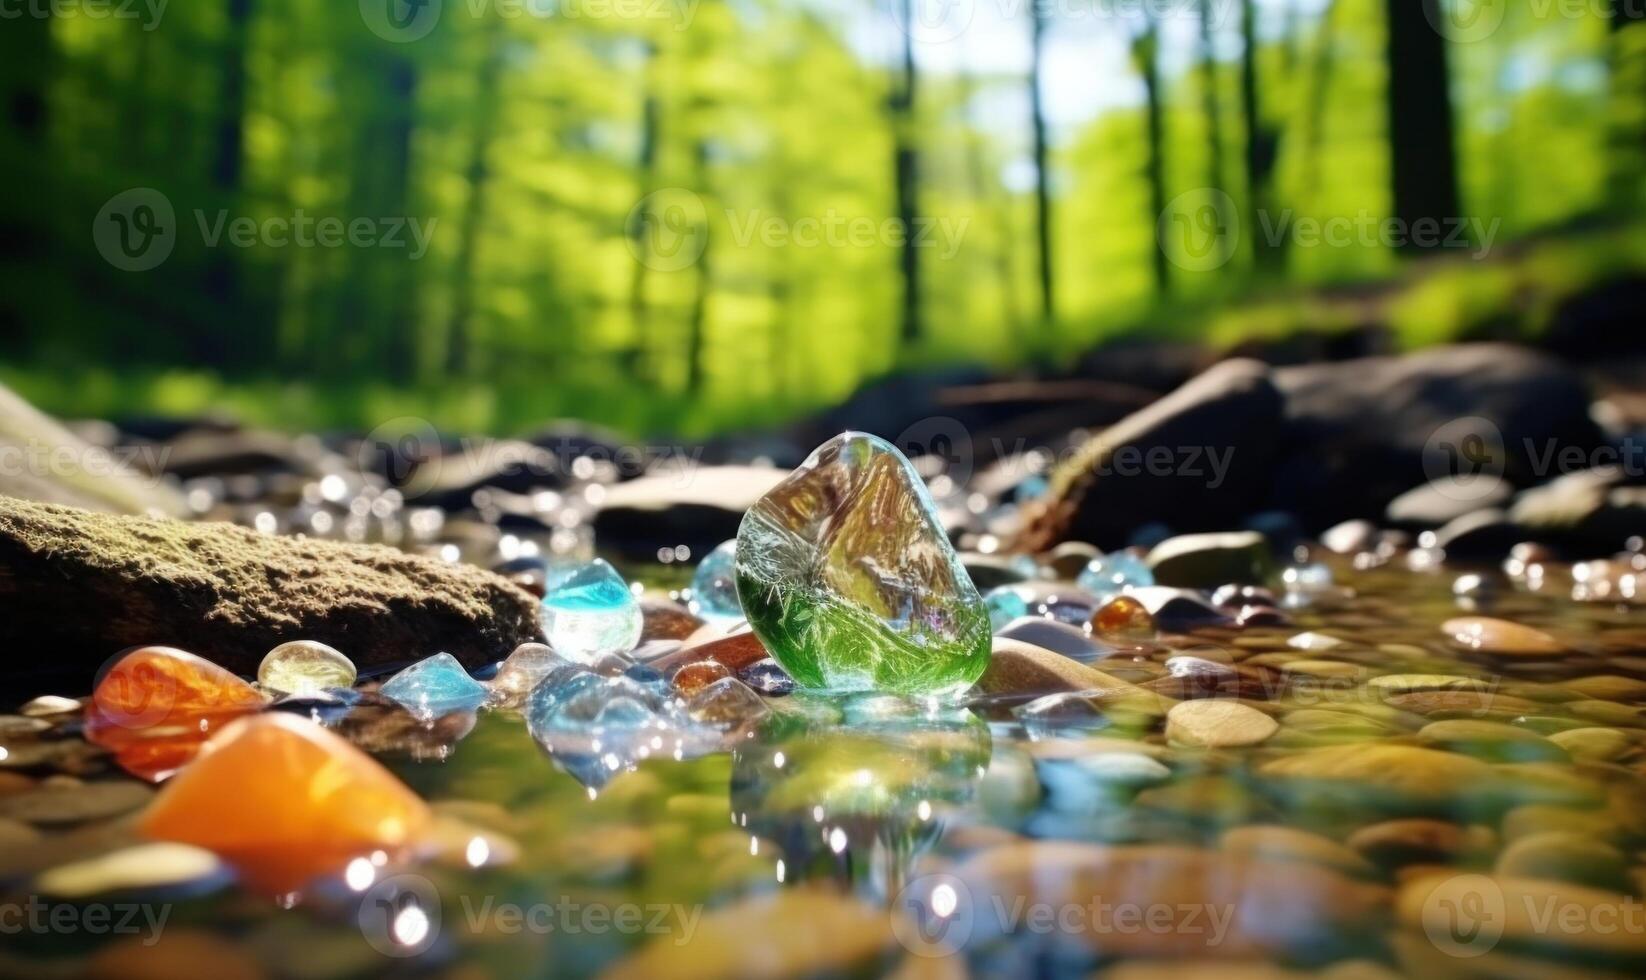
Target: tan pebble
[(145, 866), (1501, 638), (1594, 744), (1290, 844), (1313, 642), (1217, 724), (1609, 687), (1390, 684), (1333, 669), (48, 705), (1607, 713), (1462, 704), (14, 782), (1490, 739), (1589, 916), (15, 833), (1538, 818), (1419, 774), (1560, 855), (1548, 782)]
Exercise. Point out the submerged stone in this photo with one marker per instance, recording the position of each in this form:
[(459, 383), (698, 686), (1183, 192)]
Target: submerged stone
[(434, 687), (588, 611), (523, 670), (768, 677), (714, 585), (847, 576), (305, 667), (1108, 574), (284, 800), (726, 703)]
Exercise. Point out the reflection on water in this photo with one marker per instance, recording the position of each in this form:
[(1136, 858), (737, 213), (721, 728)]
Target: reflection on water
[(854, 791)]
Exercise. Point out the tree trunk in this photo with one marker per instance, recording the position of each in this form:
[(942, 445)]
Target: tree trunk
[(1147, 51), (1212, 106), (651, 113), (1627, 144), (906, 178), (222, 280), (459, 330), (1260, 141), (697, 321), (1042, 176), (1422, 147)]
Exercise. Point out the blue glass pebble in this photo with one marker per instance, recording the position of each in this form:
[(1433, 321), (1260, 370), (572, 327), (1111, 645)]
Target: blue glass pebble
[(1004, 604), (1112, 573), (714, 585), (436, 686), (588, 610)]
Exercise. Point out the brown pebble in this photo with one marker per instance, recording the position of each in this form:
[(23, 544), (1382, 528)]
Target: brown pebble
[(1217, 724), (692, 678), (1501, 638)]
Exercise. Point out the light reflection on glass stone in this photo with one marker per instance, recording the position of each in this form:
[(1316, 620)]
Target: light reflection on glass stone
[(860, 803), (588, 610), (1108, 574), (714, 585), (434, 687), (848, 577), (304, 667)]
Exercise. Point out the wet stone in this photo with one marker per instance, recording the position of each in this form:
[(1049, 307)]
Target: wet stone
[(48, 706), (51, 805), (1217, 724), (1070, 641), (691, 678), (1593, 744), (1501, 638), (523, 670), (767, 677), (727, 703), (1558, 855), (434, 687), (1463, 704), (664, 619), (589, 610), (1420, 841), (848, 577), (1490, 740), (145, 867), (304, 667), (1113, 573)]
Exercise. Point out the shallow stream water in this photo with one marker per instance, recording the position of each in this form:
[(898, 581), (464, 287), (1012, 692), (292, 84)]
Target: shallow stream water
[(870, 836)]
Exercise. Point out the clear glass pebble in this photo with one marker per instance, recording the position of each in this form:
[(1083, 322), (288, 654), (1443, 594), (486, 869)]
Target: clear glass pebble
[(1109, 574), (588, 610), (304, 667), (714, 585), (434, 687), (1070, 712)]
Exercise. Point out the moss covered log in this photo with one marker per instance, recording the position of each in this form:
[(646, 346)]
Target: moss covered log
[(78, 586)]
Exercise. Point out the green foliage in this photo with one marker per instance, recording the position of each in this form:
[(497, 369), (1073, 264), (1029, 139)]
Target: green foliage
[(525, 143)]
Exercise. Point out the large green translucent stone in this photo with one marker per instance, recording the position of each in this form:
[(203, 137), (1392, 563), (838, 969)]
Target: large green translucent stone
[(847, 577)]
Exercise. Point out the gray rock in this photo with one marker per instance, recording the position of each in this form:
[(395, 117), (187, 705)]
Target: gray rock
[(1437, 502), (1589, 513), (697, 506), (1361, 428), (1350, 536), (1206, 561), (1198, 459), (46, 462), (1179, 610)]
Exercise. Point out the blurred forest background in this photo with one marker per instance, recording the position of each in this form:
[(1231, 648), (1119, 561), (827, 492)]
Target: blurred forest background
[(630, 202)]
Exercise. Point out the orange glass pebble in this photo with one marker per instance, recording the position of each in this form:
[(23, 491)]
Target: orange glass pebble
[(1123, 616), (695, 677), (155, 706), (286, 801)]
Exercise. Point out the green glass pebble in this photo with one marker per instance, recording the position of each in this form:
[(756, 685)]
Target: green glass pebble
[(304, 667), (848, 578)]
